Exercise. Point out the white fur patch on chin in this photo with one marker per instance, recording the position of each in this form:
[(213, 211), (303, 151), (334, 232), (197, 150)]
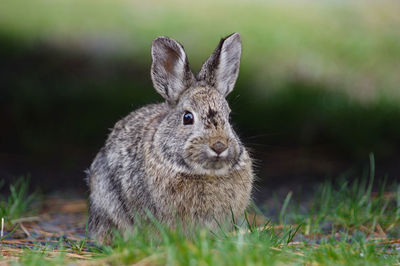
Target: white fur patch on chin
[(217, 172)]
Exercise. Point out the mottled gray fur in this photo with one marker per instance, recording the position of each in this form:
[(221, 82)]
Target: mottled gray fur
[(152, 161)]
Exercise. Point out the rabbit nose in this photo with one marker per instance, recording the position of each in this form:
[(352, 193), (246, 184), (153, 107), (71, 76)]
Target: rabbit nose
[(219, 147)]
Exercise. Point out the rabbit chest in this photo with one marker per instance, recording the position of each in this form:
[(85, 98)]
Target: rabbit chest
[(201, 198)]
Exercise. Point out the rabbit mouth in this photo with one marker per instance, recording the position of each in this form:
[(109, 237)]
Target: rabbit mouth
[(205, 160)]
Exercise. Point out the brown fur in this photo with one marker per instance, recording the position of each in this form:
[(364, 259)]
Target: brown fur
[(153, 162)]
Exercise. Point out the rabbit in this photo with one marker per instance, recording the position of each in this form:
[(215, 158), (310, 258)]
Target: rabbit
[(179, 158)]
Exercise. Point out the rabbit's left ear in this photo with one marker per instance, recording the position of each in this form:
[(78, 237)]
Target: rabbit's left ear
[(170, 69), (222, 68)]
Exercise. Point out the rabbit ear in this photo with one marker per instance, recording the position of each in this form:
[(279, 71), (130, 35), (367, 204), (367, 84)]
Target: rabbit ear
[(222, 68), (170, 69)]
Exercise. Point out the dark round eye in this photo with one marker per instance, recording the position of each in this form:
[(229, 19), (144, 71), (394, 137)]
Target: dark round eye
[(188, 118)]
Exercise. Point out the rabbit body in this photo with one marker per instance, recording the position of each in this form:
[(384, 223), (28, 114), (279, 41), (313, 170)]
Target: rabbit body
[(180, 158)]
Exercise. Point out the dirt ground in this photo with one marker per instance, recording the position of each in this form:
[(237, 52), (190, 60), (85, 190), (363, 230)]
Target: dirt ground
[(59, 222)]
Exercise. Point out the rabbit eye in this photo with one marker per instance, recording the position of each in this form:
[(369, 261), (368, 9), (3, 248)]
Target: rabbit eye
[(188, 118)]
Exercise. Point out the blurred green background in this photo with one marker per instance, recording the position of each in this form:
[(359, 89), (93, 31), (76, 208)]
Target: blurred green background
[(318, 87)]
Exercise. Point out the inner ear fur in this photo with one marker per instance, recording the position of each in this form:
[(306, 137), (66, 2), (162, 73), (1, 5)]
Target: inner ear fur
[(170, 70)]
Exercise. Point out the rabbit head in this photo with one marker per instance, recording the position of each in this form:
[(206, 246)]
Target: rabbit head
[(196, 136)]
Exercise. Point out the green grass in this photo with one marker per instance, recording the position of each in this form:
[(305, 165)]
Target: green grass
[(19, 202), (351, 207), (353, 223)]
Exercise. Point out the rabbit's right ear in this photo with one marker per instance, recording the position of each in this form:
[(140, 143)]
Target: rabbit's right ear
[(170, 71)]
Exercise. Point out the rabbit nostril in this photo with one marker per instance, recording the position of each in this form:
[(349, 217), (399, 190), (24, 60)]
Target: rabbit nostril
[(219, 147)]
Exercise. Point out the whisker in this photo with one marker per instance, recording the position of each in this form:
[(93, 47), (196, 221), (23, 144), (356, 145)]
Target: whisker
[(260, 135)]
